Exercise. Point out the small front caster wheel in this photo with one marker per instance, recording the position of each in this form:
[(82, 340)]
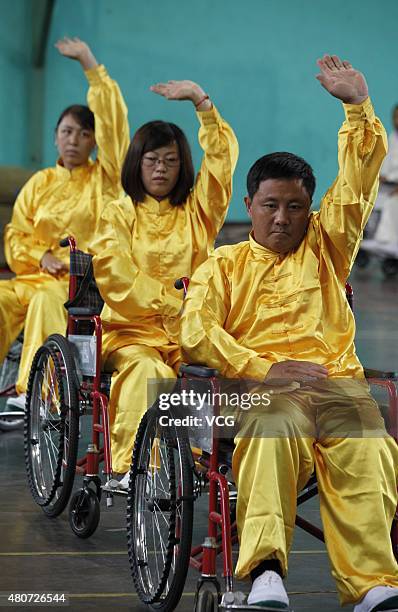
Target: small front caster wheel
[(205, 602), (84, 513)]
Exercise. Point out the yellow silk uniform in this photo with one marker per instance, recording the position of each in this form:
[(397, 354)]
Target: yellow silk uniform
[(142, 248), (54, 203), (248, 308)]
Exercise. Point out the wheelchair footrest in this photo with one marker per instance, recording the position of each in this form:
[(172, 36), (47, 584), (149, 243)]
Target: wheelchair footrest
[(237, 601), (245, 606), (113, 488)]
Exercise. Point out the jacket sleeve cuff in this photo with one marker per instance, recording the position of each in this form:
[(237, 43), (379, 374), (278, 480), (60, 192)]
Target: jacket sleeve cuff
[(256, 368), (357, 113), (37, 252), (96, 75), (208, 117)]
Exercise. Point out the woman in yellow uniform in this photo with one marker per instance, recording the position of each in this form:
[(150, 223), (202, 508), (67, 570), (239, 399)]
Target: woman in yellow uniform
[(57, 201), (162, 230)]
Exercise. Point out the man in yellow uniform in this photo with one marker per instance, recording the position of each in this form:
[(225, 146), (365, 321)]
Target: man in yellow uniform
[(275, 308), (63, 200)]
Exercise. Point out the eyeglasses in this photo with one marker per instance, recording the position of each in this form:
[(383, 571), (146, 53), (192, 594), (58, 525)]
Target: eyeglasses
[(152, 160)]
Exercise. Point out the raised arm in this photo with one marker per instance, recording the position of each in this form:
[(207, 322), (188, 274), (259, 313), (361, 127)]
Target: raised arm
[(125, 288), (213, 186), (203, 337), (362, 145), (105, 100)]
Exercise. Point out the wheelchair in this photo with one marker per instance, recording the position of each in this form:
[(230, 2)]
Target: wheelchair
[(65, 384), (168, 473)]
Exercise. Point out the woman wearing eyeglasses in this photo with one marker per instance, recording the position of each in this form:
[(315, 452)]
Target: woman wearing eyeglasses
[(163, 229)]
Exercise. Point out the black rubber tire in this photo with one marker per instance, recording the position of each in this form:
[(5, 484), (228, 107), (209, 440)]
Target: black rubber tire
[(362, 259), (389, 267), (59, 351), (157, 599), (84, 512), (11, 423), (205, 602)]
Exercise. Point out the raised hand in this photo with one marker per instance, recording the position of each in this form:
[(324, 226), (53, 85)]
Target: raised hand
[(182, 90), (341, 80), (78, 50)]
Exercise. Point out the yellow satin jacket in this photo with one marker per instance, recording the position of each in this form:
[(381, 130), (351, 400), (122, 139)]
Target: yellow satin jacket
[(143, 247), (248, 307), (56, 202)]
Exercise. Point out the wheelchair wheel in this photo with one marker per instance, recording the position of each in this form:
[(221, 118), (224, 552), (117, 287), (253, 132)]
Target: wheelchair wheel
[(160, 512), (389, 267), (206, 602), (52, 425), (10, 422), (84, 512)]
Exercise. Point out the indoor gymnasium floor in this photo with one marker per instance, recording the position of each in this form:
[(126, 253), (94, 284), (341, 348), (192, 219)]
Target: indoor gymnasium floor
[(42, 555)]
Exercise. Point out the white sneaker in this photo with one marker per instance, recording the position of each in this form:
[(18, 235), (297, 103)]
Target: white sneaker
[(16, 403), (268, 590), (118, 485), (124, 482), (377, 596)]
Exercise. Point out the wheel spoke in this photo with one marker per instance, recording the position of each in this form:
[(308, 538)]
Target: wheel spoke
[(53, 427)]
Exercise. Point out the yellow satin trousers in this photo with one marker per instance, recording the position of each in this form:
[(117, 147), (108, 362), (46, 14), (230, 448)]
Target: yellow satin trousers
[(35, 303), (356, 464), (134, 367)]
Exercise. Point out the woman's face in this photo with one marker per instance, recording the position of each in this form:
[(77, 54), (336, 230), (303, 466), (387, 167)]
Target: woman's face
[(74, 142), (160, 169)]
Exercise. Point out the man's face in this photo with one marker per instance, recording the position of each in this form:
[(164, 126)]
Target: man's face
[(279, 211), (74, 142)]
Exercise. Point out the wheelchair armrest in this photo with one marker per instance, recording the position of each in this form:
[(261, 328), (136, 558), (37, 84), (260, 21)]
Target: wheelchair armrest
[(197, 370), (82, 312), (369, 373)]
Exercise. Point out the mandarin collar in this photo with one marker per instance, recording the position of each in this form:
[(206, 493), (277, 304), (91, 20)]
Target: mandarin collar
[(73, 174), (262, 252), (154, 206)]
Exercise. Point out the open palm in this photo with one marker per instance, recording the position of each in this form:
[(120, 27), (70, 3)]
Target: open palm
[(72, 47), (178, 90), (341, 80)]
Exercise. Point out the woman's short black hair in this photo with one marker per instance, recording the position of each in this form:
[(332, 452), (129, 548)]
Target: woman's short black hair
[(151, 136), (280, 165), (83, 115)]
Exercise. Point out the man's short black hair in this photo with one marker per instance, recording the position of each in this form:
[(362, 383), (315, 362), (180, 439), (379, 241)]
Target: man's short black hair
[(281, 165)]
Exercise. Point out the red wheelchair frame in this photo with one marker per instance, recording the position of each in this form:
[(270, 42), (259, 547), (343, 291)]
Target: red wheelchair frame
[(221, 532), (73, 395), (221, 529)]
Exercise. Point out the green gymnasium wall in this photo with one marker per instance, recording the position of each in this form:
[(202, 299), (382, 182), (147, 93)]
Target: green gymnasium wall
[(256, 59)]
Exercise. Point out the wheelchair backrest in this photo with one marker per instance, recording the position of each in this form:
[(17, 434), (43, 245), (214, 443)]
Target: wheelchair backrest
[(86, 294)]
